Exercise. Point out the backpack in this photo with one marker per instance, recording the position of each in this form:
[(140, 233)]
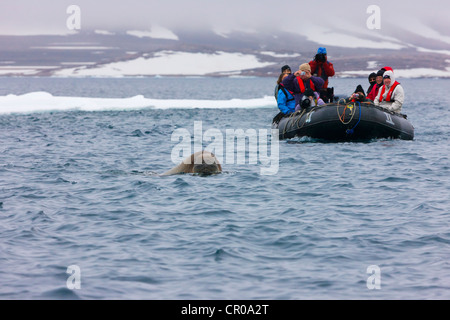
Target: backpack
[(280, 87)]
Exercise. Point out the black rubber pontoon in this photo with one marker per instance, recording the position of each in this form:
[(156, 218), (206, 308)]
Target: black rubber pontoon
[(344, 122)]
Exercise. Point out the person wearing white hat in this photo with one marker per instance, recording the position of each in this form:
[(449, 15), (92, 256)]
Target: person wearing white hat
[(391, 95)]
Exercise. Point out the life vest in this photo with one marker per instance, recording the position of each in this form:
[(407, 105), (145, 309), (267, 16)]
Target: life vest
[(302, 86), (389, 95), (281, 87)]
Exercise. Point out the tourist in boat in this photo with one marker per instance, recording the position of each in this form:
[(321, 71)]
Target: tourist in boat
[(285, 70), (309, 99), (285, 97), (321, 67), (391, 95), (277, 87), (372, 82), (357, 96), (302, 80), (378, 84)]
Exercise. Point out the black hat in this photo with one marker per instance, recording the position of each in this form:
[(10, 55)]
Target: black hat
[(373, 75), (359, 88), (380, 73), (284, 68), (387, 77)]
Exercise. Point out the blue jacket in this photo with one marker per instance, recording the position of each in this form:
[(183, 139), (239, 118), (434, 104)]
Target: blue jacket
[(284, 105)]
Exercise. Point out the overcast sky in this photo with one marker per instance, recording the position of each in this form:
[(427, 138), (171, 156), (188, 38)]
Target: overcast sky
[(49, 16)]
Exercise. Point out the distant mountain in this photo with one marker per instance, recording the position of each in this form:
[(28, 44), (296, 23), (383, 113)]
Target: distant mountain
[(220, 53)]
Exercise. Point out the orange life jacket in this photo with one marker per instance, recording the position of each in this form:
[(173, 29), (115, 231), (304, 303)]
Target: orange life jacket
[(388, 97), (302, 86)]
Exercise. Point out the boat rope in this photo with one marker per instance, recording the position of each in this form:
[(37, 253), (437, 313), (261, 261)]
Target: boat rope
[(298, 120), (291, 116), (350, 131), (297, 114), (342, 116), (339, 101)]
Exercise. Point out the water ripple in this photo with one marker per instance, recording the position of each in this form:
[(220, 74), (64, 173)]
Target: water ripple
[(83, 188)]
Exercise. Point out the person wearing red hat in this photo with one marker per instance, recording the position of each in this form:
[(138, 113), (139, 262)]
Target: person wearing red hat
[(391, 95)]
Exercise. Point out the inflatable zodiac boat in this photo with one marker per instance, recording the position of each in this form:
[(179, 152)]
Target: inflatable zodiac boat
[(344, 122)]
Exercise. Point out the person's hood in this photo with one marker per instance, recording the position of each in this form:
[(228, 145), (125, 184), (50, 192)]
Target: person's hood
[(391, 74), (372, 75)]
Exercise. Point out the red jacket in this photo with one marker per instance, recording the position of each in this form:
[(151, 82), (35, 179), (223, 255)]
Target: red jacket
[(323, 70), (373, 94)]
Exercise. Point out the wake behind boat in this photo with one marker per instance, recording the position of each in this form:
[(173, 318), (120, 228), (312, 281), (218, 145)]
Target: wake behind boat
[(344, 122)]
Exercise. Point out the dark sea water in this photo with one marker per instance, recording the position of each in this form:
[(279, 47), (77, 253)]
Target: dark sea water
[(79, 188)]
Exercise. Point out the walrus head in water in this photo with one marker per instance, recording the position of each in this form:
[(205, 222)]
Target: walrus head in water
[(202, 162)]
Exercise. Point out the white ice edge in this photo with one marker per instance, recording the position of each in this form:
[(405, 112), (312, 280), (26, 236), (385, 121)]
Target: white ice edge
[(45, 102)]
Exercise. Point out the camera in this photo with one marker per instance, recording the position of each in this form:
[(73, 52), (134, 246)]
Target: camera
[(305, 103), (320, 57)]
